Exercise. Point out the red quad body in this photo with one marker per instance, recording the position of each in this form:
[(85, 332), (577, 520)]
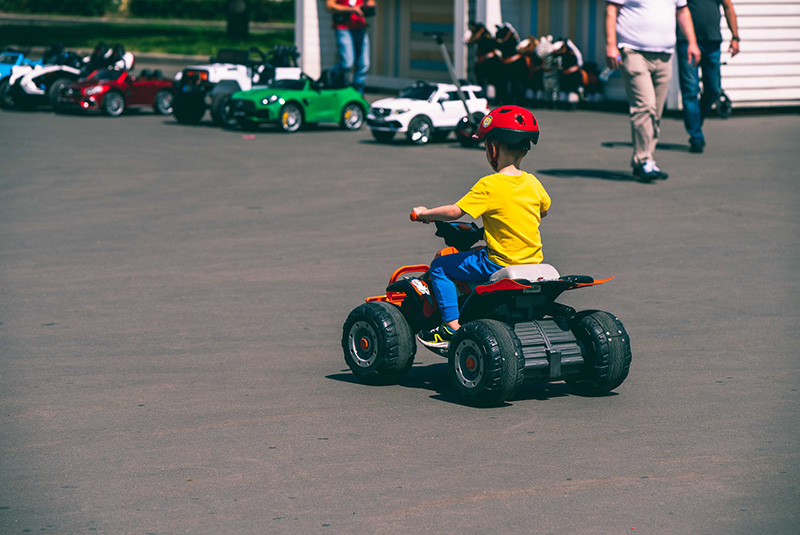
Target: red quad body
[(137, 92)]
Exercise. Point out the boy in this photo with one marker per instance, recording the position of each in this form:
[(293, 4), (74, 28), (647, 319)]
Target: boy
[(511, 204)]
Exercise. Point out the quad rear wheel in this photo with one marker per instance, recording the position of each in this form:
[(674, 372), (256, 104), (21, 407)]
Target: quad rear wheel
[(378, 344), (485, 362), (606, 352)]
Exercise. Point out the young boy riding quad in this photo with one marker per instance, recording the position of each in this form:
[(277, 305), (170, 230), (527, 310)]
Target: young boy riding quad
[(492, 311), (511, 203)]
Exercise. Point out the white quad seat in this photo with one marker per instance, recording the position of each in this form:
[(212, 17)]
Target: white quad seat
[(530, 272)]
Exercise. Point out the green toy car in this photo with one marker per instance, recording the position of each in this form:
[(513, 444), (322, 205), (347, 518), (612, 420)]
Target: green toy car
[(292, 103)]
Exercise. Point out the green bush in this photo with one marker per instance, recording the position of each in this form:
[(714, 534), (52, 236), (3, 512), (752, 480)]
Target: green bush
[(64, 7), (260, 10)]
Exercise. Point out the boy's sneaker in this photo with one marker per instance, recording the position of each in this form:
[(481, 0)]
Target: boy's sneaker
[(649, 171), (438, 337)]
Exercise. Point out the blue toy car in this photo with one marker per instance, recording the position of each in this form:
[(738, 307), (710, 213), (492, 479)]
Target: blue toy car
[(11, 58)]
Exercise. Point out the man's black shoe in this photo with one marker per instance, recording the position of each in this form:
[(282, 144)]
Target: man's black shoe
[(696, 147), (648, 171)]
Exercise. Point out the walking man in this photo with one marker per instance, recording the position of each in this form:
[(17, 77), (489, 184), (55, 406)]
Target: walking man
[(640, 41), (706, 20)]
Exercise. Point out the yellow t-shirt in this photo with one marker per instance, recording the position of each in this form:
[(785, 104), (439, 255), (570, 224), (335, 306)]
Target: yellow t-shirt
[(511, 208)]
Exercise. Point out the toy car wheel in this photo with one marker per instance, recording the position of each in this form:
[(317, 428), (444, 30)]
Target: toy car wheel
[(352, 117), (55, 90), (606, 352), (6, 95), (440, 136), (382, 136), (291, 118), (378, 344), (248, 125), (113, 104), (486, 363), (188, 110), (420, 130), (464, 130), (162, 104), (221, 111)]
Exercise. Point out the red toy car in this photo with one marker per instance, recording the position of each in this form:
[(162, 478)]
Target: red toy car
[(115, 91)]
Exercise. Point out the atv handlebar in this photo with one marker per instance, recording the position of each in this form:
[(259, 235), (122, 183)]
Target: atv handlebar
[(413, 216)]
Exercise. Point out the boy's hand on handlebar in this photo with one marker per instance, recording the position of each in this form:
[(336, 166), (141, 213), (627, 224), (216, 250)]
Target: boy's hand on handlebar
[(416, 214)]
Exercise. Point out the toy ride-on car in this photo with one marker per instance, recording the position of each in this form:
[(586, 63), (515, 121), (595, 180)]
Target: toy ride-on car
[(512, 331), (209, 87), (426, 112), (115, 91), (292, 103)]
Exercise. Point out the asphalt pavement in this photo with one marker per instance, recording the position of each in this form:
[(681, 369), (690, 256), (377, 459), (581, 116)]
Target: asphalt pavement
[(171, 305)]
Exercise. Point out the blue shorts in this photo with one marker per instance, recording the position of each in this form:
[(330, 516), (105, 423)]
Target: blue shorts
[(471, 266)]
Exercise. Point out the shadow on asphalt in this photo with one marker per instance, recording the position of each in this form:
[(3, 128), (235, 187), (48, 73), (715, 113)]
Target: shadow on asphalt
[(434, 377), (677, 147), (603, 174)]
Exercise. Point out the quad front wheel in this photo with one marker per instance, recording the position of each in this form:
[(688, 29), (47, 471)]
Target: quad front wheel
[(352, 117), (378, 344), (486, 362), (606, 352)]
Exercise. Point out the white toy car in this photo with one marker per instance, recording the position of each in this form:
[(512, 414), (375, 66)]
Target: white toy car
[(425, 112)]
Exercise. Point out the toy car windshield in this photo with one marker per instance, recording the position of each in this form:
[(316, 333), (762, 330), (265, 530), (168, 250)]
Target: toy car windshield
[(106, 75), (8, 59), (418, 92), (288, 84)]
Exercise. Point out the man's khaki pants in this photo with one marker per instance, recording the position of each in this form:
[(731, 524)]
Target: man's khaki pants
[(646, 76)]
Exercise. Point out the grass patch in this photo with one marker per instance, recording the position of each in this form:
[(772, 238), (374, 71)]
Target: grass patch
[(161, 38)]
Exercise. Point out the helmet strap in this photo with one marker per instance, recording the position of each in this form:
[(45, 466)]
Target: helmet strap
[(493, 149)]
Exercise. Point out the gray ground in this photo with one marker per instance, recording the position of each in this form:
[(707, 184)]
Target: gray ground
[(171, 307)]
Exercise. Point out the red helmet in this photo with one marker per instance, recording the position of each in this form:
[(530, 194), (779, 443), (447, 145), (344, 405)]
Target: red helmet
[(513, 125)]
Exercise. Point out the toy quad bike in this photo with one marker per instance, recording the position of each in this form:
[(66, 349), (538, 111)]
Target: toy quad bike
[(512, 330)]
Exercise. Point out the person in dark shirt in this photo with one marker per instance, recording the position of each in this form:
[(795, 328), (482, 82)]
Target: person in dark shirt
[(696, 107)]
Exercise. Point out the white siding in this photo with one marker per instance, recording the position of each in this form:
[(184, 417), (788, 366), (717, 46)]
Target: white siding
[(767, 70)]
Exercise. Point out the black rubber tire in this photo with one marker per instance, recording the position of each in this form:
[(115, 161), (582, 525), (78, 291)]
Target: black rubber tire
[(440, 136), (378, 345), (486, 363), (7, 101), (55, 89), (163, 102), (381, 136), (464, 131), (420, 130), (247, 125), (290, 118), (352, 117), (113, 104), (188, 110), (221, 112), (606, 351)]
